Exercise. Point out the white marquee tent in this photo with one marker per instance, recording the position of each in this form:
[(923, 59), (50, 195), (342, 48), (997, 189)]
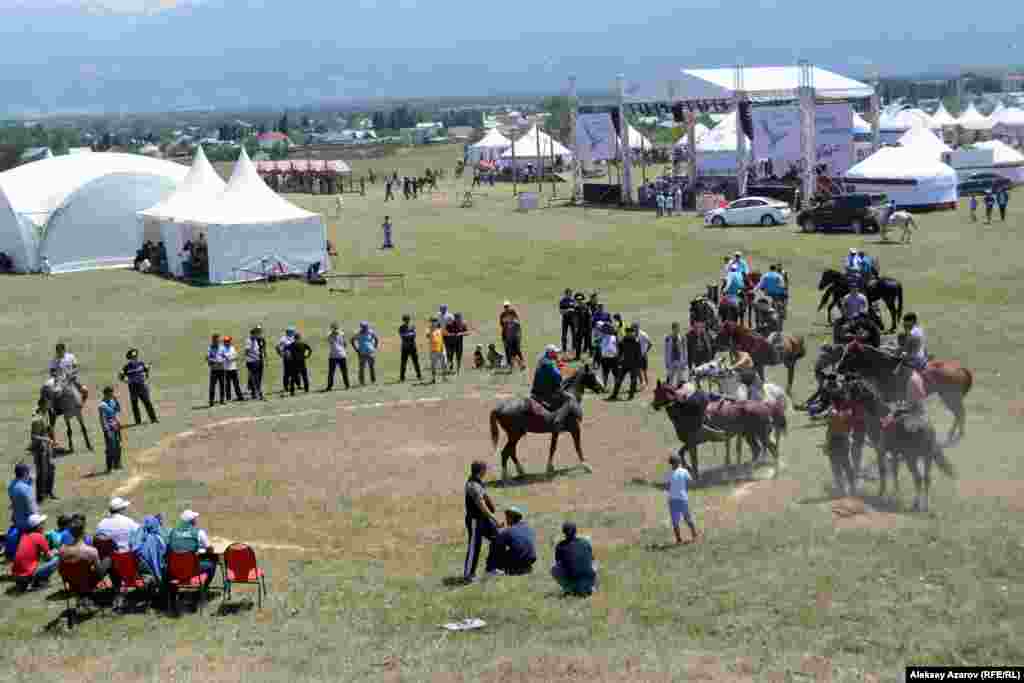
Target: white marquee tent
[(699, 132), (1010, 125), (972, 119), (79, 210), (250, 230), (1006, 161), (637, 140), (526, 149), (943, 118), (925, 141), (716, 150), (491, 147), (907, 176), (860, 125)]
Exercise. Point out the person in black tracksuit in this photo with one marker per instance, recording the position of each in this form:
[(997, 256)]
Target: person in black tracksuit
[(582, 337), (407, 333), (255, 357), (567, 307), (300, 351), (480, 520), (136, 373), (631, 358)]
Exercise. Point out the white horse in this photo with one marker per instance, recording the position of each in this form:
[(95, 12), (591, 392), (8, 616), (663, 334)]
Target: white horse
[(901, 219)]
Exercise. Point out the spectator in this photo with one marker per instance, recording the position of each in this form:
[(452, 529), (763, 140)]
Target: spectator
[(255, 357), (150, 548), (117, 526), (645, 349), (55, 537), (110, 423), (494, 359), (480, 520), (42, 452), (677, 484), (511, 335), (455, 334), (990, 202), (973, 203), (514, 549), (337, 356), (136, 374), (1002, 199), (630, 360), (407, 333), (215, 362), (79, 550), (300, 352), (567, 309), (66, 538), (365, 343), (34, 562), (700, 347), (23, 504), (608, 346), (437, 357), (676, 364), (188, 538), (574, 568), (386, 226), (444, 315), (231, 370), (284, 350)]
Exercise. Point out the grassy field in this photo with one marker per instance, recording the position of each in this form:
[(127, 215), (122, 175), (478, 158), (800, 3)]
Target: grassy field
[(353, 499)]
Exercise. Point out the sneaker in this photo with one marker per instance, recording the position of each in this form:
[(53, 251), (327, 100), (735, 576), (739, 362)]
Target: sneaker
[(493, 574)]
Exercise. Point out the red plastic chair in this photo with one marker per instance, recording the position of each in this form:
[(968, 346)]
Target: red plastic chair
[(104, 546), (240, 567), (185, 574), (126, 566), (80, 585)]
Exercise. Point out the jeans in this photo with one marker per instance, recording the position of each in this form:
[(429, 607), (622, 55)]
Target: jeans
[(300, 375), (216, 383), (336, 364), (255, 379), (42, 452), (231, 380), (112, 444), (407, 355), (366, 360), (140, 392)]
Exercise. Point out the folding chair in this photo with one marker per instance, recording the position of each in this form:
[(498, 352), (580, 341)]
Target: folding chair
[(126, 566), (240, 567), (80, 585), (184, 573), (104, 546)]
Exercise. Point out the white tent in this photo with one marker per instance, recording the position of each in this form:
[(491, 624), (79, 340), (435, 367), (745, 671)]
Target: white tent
[(79, 210), (716, 150), (250, 230), (907, 176), (904, 120), (699, 131), (972, 119), (158, 222), (996, 113), (637, 140), (1010, 125), (491, 147), (1006, 161), (526, 149), (943, 118), (925, 141), (860, 125)]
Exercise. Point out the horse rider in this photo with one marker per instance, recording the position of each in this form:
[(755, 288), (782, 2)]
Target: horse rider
[(868, 266), (546, 392), (66, 366), (853, 267), (567, 307), (827, 395), (914, 355), (854, 305), (774, 285), (734, 287), (743, 365), (742, 264)]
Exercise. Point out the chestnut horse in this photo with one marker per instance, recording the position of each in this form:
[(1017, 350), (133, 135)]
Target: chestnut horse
[(742, 338)]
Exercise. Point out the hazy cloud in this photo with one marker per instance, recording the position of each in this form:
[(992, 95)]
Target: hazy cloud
[(97, 7)]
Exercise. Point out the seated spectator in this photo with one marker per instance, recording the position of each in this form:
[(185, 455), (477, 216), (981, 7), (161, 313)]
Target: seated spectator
[(34, 562), (188, 538), (55, 537), (513, 551), (574, 568), (67, 538), (150, 547), (478, 357), (117, 526), (494, 359), (80, 551)]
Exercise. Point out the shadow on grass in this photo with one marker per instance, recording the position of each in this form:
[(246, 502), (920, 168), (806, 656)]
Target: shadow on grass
[(723, 475), (94, 475), (539, 477), (455, 582), (227, 609), (876, 503)]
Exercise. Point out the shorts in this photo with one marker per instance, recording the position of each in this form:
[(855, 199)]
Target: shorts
[(643, 363), (437, 360), (679, 509)]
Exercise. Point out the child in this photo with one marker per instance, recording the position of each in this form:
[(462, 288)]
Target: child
[(974, 208), (437, 358), (494, 359), (478, 357), (677, 484)]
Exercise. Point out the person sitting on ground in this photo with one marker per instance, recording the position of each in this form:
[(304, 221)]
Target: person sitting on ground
[(34, 562), (66, 537), (149, 544), (494, 359), (513, 551), (574, 568), (78, 550), (188, 538), (478, 357), (117, 526)]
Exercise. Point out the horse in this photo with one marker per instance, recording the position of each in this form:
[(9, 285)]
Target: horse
[(867, 328), (884, 289), (517, 418), (903, 220), (895, 380), (65, 398), (702, 310), (698, 420), (905, 436), (762, 351)]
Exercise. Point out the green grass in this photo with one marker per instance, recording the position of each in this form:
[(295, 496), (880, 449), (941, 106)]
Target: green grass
[(775, 583)]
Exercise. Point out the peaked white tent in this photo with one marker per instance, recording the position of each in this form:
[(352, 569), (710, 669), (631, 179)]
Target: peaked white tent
[(860, 125), (943, 118), (526, 149), (1010, 125), (908, 176), (1006, 161), (491, 147), (716, 150), (250, 230), (996, 113), (699, 132), (972, 119), (925, 141), (637, 140)]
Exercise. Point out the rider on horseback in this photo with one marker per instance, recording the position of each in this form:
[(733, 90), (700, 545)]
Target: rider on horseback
[(546, 392), (64, 366), (913, 351), (743, 365), (773, 284), (854, 266)]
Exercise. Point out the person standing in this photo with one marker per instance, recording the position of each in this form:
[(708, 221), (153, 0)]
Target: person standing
[(255, 356), (645, 350), (300, 352), (386, 226), (231, 370), (42, 452), (567, 308), (990, 202), (215, 362), (581, 335), (444, 316), (284, 351), (365, 343), (337, 356), (676, 363), (456, 331), (437, 355), (608, 347), (407, 334), (388, 193), (677, 485), (973, 203), (110, 423), (630, 357), (481, 522), (700, 347), (1003, 199), (136, 374)]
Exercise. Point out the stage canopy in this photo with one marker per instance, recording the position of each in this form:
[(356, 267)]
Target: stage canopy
[(526, 148)]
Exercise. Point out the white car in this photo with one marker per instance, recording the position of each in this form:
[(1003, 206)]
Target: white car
[(750, 211)]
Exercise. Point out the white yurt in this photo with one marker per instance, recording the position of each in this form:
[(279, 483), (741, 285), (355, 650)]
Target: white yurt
[(861, 127), (79, 210), (250, 231), (490, 148), (717, 150), (525, 150), (972, 119), (914, 180), (1010, 126), (1006, 161), (925, 141)]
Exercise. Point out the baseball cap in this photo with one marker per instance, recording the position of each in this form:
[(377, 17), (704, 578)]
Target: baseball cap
[(35, 520), (189, 516), (117, 504)]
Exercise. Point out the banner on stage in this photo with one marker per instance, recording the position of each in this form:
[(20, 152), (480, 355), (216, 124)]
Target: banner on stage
[(595, 137), (777, 136)]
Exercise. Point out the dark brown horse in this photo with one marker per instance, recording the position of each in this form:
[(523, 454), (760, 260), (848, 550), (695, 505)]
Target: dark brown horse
[(742, 338), (518, 419), (836, 286)]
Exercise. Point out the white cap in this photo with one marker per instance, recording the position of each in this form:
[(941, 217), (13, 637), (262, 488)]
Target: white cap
[(550, 348), (736, 253), (189, 516), (35, 520), (118, 504), (507, 303), (852, 250)]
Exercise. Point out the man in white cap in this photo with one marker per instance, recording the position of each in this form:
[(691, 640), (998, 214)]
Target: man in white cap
[(118, 526), (284, 351), (34, 562), (188, 538)]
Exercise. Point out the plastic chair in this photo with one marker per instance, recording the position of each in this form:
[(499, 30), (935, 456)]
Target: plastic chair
[(184, 573), (104, 546), (80, 585), (240, 567), (126, 566)]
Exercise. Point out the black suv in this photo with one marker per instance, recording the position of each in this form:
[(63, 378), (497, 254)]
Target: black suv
[(980, 183), (848, 211)]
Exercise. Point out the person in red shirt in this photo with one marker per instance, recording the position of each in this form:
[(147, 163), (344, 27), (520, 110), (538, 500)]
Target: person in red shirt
[(34, 562)]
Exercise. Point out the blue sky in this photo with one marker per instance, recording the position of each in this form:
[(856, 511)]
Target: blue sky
[(131, 55)]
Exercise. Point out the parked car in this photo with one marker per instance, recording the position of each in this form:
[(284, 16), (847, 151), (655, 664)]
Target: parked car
[(982, 182), (848, 211), (750, 211)]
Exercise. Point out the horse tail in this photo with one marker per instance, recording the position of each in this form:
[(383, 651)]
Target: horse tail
[(899, 300), (970, 381), (494, 428)]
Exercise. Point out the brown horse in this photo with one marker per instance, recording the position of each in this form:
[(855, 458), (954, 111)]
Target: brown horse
[(742, 338)]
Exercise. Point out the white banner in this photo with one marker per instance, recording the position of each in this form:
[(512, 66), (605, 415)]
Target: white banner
[(595, 137), (777, 137)]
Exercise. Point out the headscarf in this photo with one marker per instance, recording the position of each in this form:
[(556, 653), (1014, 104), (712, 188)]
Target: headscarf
[(149, 544)]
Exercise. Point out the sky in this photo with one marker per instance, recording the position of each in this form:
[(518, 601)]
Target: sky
[(158, 55)]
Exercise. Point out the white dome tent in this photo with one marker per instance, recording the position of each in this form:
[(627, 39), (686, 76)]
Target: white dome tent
[(925, 141), (526, 149), (251, 231), (79, 210), (912, 179), (490, 148), (158, 222)]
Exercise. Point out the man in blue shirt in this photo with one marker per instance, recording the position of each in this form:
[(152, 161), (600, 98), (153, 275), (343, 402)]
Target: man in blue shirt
[(514, 550), (547, 383), (741, 264), (109, 410), (136, 374), (23, 498), (365, 343), (734, 285), (574, 568), (773, 284)]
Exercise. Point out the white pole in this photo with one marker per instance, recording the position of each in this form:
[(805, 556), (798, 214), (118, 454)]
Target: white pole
[(807, 128), (741, 137), (627, 156), (577, 178)]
